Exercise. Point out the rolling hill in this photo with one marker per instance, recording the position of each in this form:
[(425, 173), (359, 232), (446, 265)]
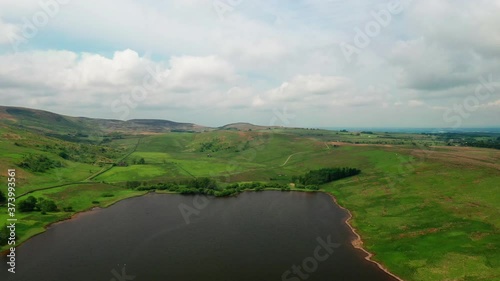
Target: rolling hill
[(57, 125)]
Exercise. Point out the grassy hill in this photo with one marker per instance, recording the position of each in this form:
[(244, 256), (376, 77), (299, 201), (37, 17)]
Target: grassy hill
[(81, 128), (426, 208)]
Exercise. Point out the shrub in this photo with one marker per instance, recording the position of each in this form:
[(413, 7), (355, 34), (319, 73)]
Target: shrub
[(28, 205), (39, 163), (326, 175), (3, 199), (45, 205), (4, 235)]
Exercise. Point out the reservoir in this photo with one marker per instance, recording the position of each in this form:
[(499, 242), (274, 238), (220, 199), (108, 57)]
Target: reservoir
[(256, 236)]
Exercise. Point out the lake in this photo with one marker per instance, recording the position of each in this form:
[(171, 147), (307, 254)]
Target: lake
[(256, 236)]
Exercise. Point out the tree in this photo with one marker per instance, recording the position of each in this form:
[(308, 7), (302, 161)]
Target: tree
[(39, 163), (132, 184), (64, 155), (2, 197), (325, 175), (28, 205), (4, 235), (45, 205), (141, 161)]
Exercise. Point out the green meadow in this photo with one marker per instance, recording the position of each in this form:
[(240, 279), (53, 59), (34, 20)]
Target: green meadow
[(426, 210)]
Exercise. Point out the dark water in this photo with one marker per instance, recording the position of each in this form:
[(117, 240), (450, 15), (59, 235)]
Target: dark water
[(253, 237)]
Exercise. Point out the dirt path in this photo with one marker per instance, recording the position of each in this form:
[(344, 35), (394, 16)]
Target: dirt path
[(87, 180), (289, 157), (105, 169)]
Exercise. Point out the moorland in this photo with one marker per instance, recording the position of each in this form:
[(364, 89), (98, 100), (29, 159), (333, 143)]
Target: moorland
[(426, 205)]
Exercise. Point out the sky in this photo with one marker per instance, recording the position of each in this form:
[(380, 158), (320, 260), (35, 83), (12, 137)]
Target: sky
[(304, 63)]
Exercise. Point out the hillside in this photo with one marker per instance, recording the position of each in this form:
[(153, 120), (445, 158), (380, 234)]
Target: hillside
[(427, 208), (57, 125), (242, 126)]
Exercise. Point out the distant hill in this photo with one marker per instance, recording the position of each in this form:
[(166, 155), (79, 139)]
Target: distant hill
[(67, 127), (241, 126), (54, 124)]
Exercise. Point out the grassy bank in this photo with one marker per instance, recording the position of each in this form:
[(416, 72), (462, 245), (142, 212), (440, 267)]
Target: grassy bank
[(80, 197), (436, 221), (426, 212)]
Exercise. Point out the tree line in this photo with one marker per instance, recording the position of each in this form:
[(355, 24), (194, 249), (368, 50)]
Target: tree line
[(205, 186), (325, 175), (39, 163), (32, 204)]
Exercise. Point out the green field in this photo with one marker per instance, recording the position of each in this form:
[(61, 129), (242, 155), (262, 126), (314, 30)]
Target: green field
[(426, 210)]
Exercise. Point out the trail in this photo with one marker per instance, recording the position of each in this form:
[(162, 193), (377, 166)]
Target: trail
[(182, 168), (104, 169), (50, 187), (289, 157), (87, 180)]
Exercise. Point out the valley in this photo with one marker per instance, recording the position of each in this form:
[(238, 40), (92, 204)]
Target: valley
[(426, 205)]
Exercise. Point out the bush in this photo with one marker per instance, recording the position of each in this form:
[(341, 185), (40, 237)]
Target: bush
[(146, 188), (28, 205), (312, 187), (188, 191), (45, 205), (39, 163), (4, 235), (3, 199), (64, 155), (225, 193), (326, 175), (132, 184), (203, 183), (68, 209)]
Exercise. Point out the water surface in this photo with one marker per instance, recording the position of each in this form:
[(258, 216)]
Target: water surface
[(256, 236)]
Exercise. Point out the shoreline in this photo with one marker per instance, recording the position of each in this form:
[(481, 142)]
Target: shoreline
[(62, 220), (357, 243)]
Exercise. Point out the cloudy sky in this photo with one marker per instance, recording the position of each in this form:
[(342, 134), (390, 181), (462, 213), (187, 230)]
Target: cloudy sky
[(314, 63)]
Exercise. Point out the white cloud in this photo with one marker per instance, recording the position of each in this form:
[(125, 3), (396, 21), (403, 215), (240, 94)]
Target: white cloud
[(7, 32), (306, 86), (263, 55), (199, 73)]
